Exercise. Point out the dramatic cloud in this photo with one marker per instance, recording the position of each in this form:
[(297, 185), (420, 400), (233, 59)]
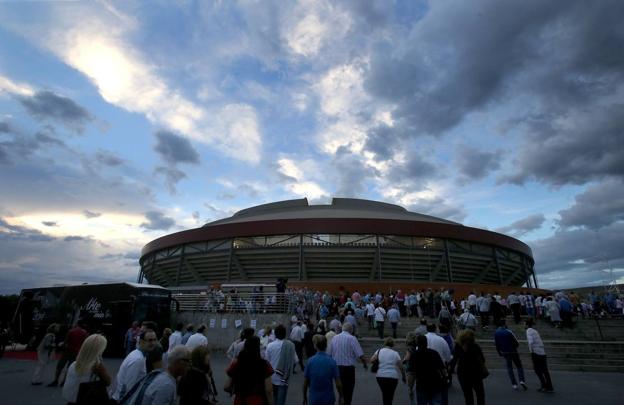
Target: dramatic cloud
[(580, 252), (174, 149), (599, 206), (524, 225), (49, 223), (157, 221), (46, 105), (172, 176), (474, 164), (30, 258), (351, 172)]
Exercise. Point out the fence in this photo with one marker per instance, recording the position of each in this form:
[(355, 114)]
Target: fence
[(242, 302)]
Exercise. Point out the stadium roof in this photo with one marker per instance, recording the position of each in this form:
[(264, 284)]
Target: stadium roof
[(339, 208)]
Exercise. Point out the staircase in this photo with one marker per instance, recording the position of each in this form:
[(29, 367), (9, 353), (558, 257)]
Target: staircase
[(590, 346)]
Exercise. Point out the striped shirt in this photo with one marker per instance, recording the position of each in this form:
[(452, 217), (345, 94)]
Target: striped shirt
[(345, 349)]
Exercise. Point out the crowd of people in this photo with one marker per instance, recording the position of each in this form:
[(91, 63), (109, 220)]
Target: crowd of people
[(322, 342)]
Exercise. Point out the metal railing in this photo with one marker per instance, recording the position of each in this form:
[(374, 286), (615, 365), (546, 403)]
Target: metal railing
[(242, 302)]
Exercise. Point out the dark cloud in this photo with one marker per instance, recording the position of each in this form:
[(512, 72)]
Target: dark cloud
[(415, 171), (226, 196), (49, 223), (157, 221), (352, 173), (196, 216), (374, 13), (565, 57), (111, 256), (598, 206), (586, 146), (12, 233), (249, 190), (440, 208), (474, 164), (45, 105), (172, 176), (73, 238), (132, 256), (382, 140), (175, 149), (108, 158), (524, 225), (580, 252), (90, 214), (5, 127)]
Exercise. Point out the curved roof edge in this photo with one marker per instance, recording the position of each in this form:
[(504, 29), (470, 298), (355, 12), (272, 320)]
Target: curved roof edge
[(339, 208)]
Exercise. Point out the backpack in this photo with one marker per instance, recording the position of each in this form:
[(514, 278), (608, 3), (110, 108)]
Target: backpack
[(135, 395)]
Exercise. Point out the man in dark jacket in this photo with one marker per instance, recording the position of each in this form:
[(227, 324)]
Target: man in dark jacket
[(507, 347), (428, 372)]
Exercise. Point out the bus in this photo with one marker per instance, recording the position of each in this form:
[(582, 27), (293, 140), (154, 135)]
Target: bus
[(108, 309)]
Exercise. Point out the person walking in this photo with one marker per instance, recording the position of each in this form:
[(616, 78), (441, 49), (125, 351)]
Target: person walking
[(250, 376), (380, 317), (190, 330), (134, 367), (467, 320), (389, 371), (197, 339), (538, 356), (394, 316), (428, 372), (131, 337), (71, 346), (197, 386), (346, 351), (471, 371), (507, 347), (370, 315), (437, 343), (162, 389), (320, 375), (44, 353), (87, 367), (296, 336), (514, 304), (282, 356), (484, 310)]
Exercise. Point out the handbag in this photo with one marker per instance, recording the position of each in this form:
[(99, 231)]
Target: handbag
[(92, 392), (375, 363)]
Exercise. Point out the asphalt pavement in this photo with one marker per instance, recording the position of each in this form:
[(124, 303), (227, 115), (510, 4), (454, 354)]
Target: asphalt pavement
[(571, 387)]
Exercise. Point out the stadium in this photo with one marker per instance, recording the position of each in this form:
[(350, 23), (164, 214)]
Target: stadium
[(360, 243)]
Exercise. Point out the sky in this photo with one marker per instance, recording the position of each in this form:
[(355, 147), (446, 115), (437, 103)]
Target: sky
[(121, 122)]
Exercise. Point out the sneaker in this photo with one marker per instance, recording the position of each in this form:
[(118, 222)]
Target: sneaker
[(515, 387), (524, 386)]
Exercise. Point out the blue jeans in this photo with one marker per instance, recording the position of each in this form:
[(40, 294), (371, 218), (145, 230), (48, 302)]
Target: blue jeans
[(515, 359), (423, 398), (279, 394)]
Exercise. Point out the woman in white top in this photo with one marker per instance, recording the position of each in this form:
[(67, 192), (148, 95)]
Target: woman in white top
[(390, 369), (87, 367), (44, 352)]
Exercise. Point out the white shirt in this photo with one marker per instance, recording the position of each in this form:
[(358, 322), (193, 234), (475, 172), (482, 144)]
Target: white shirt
[(174, 340), (132, 369), (197, 339), (535, 342), (72, 382), (370, 309), (472, 300), (438, 344), (380, 314), (388, 359), (273, 352), (162, 390), (513, 299), (296, 335)]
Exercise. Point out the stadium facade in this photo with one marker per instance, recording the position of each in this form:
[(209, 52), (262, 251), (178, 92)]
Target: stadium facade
[(349, 241)]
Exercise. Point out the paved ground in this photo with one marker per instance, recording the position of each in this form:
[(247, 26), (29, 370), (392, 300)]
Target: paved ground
[(571, 387)]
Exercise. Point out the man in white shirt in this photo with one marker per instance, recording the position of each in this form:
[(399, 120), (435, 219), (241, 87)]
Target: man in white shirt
[(437, 343), (176, 337), (370, 314), (133, 368), (197, 339), (162, 389), (380, 317), (514, 304), (467, 320), (394, 316), (472, 303), (538, 356), (296, 336), (273, 353)]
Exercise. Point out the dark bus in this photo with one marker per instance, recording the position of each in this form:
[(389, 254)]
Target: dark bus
[(109, 309)]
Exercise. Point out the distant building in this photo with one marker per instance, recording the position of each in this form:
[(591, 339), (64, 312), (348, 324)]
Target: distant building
[(350, 241)]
